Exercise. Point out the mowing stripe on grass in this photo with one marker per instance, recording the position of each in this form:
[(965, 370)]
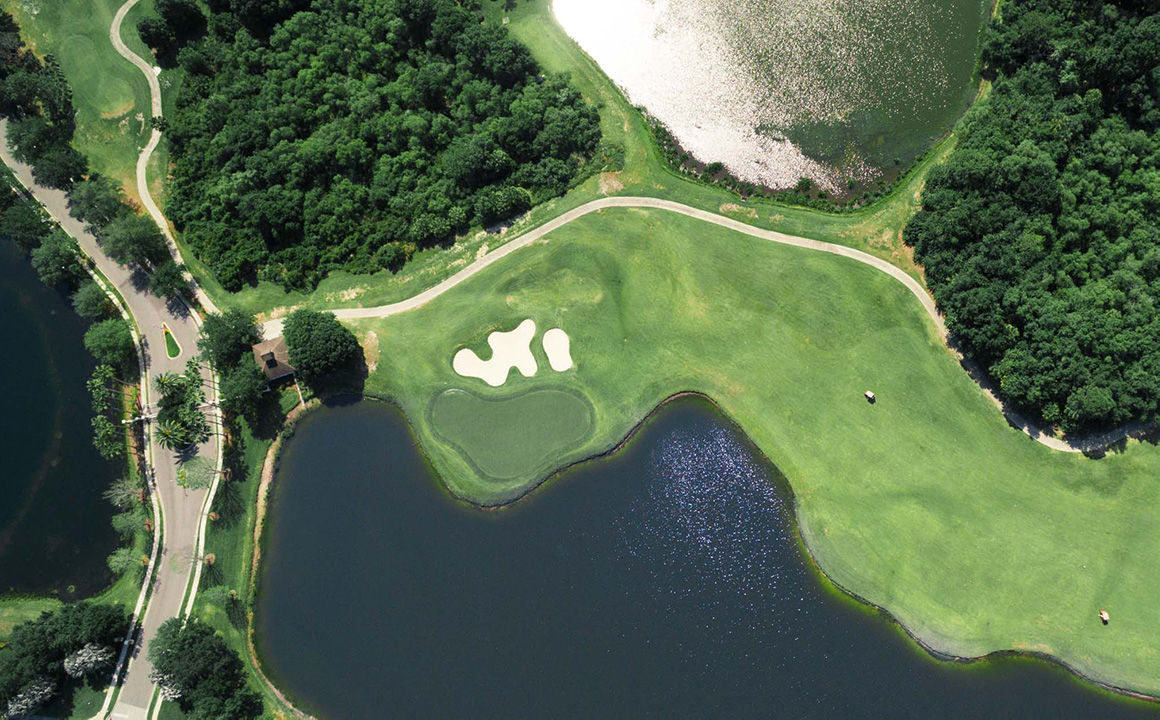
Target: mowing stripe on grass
[(512, 436)]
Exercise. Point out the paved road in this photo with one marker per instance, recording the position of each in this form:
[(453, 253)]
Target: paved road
[(273, 328), (189, 538), (181, 509)]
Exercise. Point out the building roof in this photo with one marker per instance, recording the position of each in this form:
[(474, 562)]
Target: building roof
[(272, 357)]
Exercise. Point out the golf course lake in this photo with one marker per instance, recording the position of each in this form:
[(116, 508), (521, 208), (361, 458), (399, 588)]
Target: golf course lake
[(54, 522), (777, 90), (663, 581)]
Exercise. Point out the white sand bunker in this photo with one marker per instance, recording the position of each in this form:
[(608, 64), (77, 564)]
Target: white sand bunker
[(558, 347), (508, 349)]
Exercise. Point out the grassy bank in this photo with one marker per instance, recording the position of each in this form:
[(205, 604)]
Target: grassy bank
[(926, 503), (111, 96)]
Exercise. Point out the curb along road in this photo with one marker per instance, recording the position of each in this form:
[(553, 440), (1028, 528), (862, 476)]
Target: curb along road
[(138, 692), (180, 509)]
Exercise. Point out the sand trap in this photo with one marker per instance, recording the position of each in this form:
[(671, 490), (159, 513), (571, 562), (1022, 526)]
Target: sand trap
[(508, 349), (558, 347)]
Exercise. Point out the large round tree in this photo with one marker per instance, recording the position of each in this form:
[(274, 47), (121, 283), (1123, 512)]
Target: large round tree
[(318, 343)]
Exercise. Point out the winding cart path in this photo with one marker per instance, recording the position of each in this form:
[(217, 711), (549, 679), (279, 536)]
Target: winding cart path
[(273, 328)]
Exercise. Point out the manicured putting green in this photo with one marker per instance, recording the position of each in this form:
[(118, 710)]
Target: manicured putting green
[(515, 435)]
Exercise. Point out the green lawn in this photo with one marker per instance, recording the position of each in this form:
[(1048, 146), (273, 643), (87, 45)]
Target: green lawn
[(926, 503), (111, 95), (172, 349), (512, 435)]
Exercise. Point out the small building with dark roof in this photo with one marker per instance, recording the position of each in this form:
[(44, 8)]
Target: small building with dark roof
[(274, 358)]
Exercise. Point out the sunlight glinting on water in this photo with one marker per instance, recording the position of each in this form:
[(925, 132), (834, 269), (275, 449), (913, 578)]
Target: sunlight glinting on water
[(713, 528), (732, 79)]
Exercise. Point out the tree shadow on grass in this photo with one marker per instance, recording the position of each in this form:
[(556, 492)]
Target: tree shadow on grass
[(211, 575), (228, 503), (267, 421), (236, 612), (63, 704), (1150, 436), (345, 385)]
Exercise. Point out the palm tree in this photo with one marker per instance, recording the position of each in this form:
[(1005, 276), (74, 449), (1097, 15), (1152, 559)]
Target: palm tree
[(193, 423), (169, 382), (171, 436)]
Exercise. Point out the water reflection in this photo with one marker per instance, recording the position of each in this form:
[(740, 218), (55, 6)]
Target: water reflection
[(662, 582), (54, 524), (783, 89)]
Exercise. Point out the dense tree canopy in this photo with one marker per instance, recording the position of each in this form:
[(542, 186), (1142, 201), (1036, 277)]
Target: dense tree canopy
[(318, 343), (176, 23), (227, 338), (76, 640), (57, 260), (357, 132), (90, 301), (227, 341), (1040, 235), (134, 240), (241, 391), (23, 223), (110, 341), (195, 668), (97, 202)]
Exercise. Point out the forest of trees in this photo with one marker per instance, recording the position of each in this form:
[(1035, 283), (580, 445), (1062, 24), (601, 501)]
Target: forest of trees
[(1040, 235), (346, 134)]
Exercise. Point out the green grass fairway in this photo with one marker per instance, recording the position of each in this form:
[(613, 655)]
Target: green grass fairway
[(514, 436), (108, 91), (927, 503), (109, 95)]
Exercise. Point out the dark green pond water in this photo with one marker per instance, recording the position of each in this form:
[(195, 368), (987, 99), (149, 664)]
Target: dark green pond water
[(663, 582), (54, 524)]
